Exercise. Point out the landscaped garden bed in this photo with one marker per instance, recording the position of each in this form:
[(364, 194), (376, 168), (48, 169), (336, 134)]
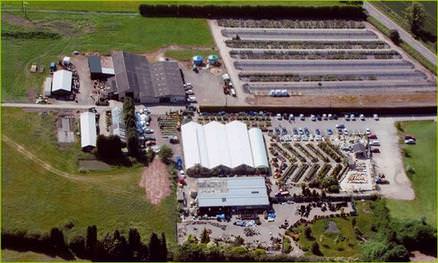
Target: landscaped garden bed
[(289, 23), (361, 54)]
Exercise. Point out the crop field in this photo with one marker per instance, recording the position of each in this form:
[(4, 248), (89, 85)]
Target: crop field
[(86, 33), (308, 56), (132, 6), (420, 165), (397, 12), (35, 199)]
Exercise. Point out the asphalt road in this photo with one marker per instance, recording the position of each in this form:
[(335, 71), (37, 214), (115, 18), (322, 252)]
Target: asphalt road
[(374, 12)]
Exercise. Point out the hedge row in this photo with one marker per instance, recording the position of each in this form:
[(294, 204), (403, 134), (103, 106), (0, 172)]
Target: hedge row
[(31, 35), (247, 11)]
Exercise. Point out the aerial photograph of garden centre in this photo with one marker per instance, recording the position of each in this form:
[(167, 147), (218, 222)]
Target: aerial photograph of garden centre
[(218, 130)]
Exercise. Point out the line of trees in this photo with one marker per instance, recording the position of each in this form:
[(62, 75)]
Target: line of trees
[(131, 131), (251, 11), (113, 247), (416, 15)]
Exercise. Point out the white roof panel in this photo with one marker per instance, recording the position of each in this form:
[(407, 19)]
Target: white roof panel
[(88, 129), (258, 148), (238, 144), (217, 145), (62, 80)]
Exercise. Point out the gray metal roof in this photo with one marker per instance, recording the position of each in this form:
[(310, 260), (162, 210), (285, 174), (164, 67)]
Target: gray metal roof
[(94, 64), (133, 73), (232, 191)]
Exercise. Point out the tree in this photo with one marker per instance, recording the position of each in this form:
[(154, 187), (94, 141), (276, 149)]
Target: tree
[(132, 142), (205, 237), (315, 249), (155, 248), (308, 232), (109, 148), (163, 247), (165, 153), (416, 16), (77, 245), (57, 239), (395, 36), (91, 241)]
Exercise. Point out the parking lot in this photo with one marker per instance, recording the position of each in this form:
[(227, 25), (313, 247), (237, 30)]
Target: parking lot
[(388, 161)]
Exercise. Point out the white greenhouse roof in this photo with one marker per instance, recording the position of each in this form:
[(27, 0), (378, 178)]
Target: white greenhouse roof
[(62, 80), (88, 129), (216, 144), (232, 191)]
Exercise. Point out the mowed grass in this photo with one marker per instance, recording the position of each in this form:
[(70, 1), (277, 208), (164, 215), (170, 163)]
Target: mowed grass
[(422, 158), (87, 33), (187, 54), (36, 200), (396, 10), (344, 243), (28, 256), (132, 6)]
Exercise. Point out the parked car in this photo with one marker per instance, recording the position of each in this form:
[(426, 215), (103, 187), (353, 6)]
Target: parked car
[(295, 131), (372, 136), (376, 117), (347, 117), (375, 150), (148, 130), (306, 131), (233, 92), (352, 117), (300, 130), (317, 132), (191, 98), (302, 117), (374, 143), (291, 117), (330, 116), (283, 131), (362, 117), (312, 117), (329, 131), (410, 141), (368, 131), (340, 126), (345, 131), (324, 117), (189, 92), (279, 117)]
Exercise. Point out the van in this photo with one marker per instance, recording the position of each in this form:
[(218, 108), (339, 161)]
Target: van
[(374, 143)]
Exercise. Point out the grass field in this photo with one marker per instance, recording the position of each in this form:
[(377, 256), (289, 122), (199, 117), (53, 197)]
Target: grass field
[(86, 33), (406, 47), (344, 243), (132, 6), (15, 256), (37, 200), (422, 158), (187, 54), (396, 10)]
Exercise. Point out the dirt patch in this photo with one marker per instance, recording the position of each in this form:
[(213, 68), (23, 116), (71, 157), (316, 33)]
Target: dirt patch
[(420, 257), (155, 181), (17, 21)]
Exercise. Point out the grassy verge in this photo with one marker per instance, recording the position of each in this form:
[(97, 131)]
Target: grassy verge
[(342, 244), (28, 256), (86, 33), (132, 6), (187, 54), (37, 200), (397, 12), (421, 159), (406, 47)]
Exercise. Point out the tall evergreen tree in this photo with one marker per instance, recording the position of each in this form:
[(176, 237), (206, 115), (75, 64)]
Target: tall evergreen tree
[(163, 247), (91, 241), (155, 248)]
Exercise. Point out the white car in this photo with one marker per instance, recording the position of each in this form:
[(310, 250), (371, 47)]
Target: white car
[(324, 116), (148, 130), (345, 132), (302, 117), (376, 117), (352, 117), (347, 117), (279, 117), (189, 92), (291, 117), (362, 117), (312, 117), (311, 137), (375, 143), (191, 99), (368, 131)]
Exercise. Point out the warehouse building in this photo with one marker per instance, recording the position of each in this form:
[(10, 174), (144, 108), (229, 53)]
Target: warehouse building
[(88, 131), (62, 82), (232, 194), (223, 149), (135, 77)]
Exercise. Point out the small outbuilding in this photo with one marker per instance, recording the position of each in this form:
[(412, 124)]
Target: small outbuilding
[(88, 131), (213, 59), (62, 82), (97, 70)]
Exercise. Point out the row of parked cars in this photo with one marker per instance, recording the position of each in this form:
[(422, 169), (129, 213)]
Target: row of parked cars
[(325, 117), (190, 95)]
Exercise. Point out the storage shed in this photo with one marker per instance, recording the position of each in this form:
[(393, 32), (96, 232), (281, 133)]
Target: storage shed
[(62, 82), (197, 60), (88, 131)]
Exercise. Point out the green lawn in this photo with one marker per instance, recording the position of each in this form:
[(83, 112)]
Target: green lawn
[(422, 158), (87, 33), (345, 243), (28, 256), (396, 10), (406, 47), (132, 6), (36, 200), (187, 54)]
